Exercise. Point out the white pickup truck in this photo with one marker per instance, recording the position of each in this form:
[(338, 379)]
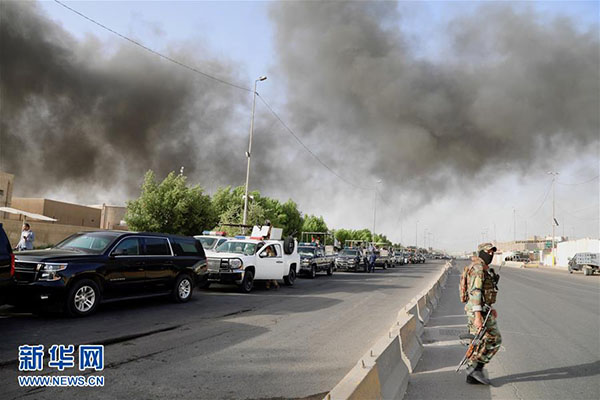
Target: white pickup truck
[(243, 261)]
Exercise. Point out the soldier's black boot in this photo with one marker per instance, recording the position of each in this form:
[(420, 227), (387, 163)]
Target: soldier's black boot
[(477, 374)]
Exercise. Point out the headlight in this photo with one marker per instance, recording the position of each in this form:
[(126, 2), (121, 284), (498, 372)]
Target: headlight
[(235, 263), (305, 261), (49, 271), (352, 261)]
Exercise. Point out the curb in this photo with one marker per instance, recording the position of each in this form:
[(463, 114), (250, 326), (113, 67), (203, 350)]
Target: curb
[(383, 372)]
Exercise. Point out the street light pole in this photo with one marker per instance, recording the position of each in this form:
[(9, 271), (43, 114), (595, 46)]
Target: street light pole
[(249, 152), (417, 235), (554, 174), (375, 210)]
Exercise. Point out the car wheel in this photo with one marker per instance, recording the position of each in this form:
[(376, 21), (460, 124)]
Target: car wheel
[(247, 282), (290, 278), (83, 298), (183, 289), (330, 270), (313, 272)]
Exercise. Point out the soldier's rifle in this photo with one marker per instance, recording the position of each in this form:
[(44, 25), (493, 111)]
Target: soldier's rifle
[(476, 340)]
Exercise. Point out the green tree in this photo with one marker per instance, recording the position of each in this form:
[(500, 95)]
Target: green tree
[(313, 223), (342, 235), (170, 207)]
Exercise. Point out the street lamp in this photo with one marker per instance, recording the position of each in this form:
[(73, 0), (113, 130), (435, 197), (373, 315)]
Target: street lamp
[(554, 174), (249, 152), (417, 235), (375, 209)]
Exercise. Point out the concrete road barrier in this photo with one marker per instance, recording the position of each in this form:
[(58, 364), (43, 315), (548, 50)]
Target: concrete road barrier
[(381, 374), (423, 309), (412, 348), (412, 308), (432, 297)]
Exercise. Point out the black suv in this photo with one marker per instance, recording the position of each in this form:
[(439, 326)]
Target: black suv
[(90, 267), (7, 265)]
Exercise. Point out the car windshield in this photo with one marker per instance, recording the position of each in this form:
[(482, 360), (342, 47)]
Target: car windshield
[(306, 251), (207, 243), (87, 242), (347, 252), (233, 246)]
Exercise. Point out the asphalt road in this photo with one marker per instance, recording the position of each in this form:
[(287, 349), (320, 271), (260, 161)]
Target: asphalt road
[(550, 326), (293, 342)]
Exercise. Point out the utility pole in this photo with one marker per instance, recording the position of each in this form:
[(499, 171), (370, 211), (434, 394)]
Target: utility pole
[(375, 210), (401, 222), (515, 225), (554, 174), (417, 235), (249, 152)]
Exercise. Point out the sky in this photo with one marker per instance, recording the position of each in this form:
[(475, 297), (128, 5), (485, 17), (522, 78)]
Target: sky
[(359, 84)]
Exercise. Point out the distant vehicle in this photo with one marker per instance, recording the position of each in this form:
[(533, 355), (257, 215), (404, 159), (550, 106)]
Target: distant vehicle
[(242, 261), (7, 265), (88, 268), (210, 240), (586, 262), (313, 259), (417, 258), (382, 259), (351, 259), (398, 258)]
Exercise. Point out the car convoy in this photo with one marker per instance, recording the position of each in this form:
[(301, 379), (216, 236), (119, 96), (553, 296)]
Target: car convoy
[(89, 268)]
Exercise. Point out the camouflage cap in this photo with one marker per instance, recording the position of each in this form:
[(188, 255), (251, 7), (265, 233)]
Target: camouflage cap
[(486, 247)]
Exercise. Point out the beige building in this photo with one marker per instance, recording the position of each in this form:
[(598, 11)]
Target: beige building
[(112, 217), (6, 190), (535, 243), (64, 213)]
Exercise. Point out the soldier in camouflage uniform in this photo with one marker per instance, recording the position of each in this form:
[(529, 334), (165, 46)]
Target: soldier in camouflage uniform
[(482, 294)]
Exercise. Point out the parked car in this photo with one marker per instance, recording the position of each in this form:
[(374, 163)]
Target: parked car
[(244, 261), (7, 265), (586, 262), (88, 268), (313, 259), (210, 240), (351, 259)]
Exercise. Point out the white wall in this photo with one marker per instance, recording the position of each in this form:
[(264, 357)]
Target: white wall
[(565, 250)]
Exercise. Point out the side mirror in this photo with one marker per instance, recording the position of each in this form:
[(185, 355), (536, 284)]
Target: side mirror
[(119, 252), (262, 255)]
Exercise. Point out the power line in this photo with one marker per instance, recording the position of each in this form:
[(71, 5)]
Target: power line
[(291, 132), (543, 201), (193, 69), (580, 183)]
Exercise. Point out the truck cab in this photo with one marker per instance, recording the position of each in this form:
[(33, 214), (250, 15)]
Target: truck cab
[(244, 260)]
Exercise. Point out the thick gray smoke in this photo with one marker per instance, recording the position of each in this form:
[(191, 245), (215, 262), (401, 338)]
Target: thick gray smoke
[(77, 118), (512, 92)]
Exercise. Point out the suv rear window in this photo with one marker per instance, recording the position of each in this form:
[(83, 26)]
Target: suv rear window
[(157, 247), (186, 247)]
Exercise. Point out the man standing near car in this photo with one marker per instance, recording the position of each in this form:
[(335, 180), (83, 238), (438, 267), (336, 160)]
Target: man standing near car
[(27, 238), (481, 290)]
